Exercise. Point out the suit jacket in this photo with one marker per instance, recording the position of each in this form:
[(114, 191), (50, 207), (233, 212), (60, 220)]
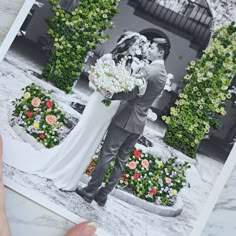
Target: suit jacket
[(132, 113)]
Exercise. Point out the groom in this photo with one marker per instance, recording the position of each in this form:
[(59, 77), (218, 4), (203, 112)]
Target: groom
[(127, 125)]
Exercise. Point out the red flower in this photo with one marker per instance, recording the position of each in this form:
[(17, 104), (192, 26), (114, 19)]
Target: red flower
[(29, 114), (136, 175), (41, 136), (153, 191), (126, 180), (137, 153), (49, 104)]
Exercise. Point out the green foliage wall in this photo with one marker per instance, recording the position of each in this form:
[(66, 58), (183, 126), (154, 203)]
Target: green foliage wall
[(75, 34), (202, 101)]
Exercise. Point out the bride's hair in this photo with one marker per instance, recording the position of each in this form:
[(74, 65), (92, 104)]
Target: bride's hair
[(119, 51)]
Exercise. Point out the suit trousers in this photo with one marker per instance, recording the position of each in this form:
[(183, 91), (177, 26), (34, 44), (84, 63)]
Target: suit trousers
[(118, 144)]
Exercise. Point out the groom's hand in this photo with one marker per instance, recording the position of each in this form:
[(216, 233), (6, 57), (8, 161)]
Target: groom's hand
[(142, 88), (144, 75), (106, 94)]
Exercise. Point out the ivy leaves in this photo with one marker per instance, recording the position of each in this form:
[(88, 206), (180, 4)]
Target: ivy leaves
[(75, 34), (202, 101)]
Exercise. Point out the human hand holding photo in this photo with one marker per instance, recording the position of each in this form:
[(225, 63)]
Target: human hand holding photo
[(82, 229)]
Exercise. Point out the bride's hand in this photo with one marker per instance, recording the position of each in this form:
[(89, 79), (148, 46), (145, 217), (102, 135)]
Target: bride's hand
[(105, 93), (82, 229), (92, 85)]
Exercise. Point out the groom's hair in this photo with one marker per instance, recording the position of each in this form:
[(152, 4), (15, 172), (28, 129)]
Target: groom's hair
[(162, 44)]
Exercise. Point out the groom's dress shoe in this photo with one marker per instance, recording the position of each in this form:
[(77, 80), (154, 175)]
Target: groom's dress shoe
[(88, 197), (101, 197)]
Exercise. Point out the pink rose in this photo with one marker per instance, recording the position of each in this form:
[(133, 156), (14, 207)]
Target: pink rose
[(145, 163), (132, 165), (36, 102), (51, 119), (168, 180)]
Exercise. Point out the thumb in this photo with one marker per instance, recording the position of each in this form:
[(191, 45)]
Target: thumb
[(83, 229)]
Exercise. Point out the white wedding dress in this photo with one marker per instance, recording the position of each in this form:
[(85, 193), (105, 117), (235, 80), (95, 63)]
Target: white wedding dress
[(66, 163)]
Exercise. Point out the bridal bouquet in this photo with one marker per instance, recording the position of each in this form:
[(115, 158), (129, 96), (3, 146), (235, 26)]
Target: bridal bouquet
[(110, 78)]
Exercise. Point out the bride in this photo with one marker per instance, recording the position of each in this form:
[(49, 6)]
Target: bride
[(66, 163)]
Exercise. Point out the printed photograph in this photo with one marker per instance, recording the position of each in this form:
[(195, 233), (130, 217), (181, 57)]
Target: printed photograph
[(120, 112)]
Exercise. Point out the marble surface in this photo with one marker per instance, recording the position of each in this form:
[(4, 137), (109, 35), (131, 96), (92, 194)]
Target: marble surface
[(27, 218), (8, 13), (222, 219)]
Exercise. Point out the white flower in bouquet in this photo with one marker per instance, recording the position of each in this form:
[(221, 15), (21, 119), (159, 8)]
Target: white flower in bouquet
[(110, 77)]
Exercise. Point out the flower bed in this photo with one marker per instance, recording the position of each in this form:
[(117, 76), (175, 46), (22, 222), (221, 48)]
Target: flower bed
[(38, 115), (150, 178)]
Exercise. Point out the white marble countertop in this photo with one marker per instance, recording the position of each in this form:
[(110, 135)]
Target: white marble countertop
[(222, 219), (27, 218), (8, 13)]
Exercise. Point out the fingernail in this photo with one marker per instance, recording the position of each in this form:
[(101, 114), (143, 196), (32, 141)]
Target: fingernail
[(89, 229)]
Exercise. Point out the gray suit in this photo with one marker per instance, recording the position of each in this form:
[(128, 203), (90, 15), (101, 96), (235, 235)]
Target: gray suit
[(132, 114), (126, 127)]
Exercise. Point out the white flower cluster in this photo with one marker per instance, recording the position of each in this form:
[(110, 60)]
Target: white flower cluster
[(108, 76)]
